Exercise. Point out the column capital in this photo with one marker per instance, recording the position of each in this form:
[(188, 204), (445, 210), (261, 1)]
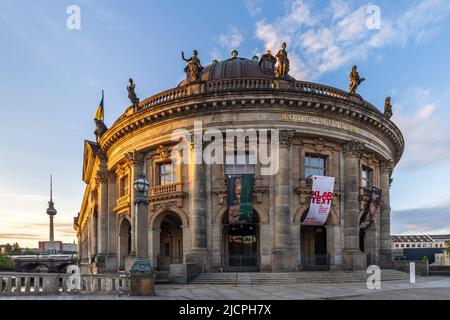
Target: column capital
[(286, 137), (353, 148), (386, 166), (111, 176), (101, 177), (135, 158)]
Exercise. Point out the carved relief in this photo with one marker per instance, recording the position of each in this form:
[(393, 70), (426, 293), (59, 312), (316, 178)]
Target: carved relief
[(353, 148)]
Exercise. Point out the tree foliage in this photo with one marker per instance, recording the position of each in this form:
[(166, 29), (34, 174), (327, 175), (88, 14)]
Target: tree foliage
[(6, 263)]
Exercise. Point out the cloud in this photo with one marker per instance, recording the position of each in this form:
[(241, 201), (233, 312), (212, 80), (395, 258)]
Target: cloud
[(429, 220), (26, 197), (328, 39), (230, 40), (422, 120), (254, 7)]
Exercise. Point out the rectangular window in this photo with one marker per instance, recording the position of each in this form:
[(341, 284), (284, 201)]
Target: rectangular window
[(314, 165), (238, 164), (365, 177), (167, 173)]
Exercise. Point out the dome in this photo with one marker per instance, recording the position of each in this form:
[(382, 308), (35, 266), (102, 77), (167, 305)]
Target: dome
[(234, 68)]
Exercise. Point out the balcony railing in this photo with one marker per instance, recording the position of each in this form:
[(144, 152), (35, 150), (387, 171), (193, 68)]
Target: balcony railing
[(165, 189), (123, 202)]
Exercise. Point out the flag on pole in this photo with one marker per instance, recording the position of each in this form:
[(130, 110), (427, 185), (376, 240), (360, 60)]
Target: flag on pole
[(99, 115)]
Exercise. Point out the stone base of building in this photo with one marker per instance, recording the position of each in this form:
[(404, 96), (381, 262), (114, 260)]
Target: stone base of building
[(386, 259), (354, 260), (111, 263), (199, 257), (283, 260)]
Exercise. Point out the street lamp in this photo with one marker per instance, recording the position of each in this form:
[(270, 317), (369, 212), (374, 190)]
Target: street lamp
[(141, 185), (141, 273)]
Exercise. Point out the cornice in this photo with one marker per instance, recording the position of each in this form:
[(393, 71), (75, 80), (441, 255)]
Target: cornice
[(302, 96)]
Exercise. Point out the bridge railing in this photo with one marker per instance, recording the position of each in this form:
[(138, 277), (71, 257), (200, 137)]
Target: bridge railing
[(52, 283)]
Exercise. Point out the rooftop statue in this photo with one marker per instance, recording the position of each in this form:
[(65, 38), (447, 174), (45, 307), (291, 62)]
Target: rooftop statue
[(388, 108), (355, 80), (194, 68), (283, 62), (131, 93)]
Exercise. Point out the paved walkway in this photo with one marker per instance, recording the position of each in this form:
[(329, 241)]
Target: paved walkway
[(426, 288)]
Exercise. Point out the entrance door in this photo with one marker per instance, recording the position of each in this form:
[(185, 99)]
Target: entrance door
[(314, 248), (242, 249)]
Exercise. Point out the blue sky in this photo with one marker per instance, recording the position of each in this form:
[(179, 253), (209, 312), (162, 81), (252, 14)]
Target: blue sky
[(51, 80)]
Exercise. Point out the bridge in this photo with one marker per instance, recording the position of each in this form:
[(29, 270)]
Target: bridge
[(43, 263)]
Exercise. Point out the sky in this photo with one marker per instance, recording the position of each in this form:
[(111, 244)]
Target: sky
[(51, 79)]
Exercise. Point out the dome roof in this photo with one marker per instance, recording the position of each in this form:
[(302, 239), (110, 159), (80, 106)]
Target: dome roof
[(234, 68)]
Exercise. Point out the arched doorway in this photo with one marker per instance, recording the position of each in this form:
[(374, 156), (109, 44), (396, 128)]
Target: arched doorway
[(124, 242), (171, 242), (240, 249), (313, 244)]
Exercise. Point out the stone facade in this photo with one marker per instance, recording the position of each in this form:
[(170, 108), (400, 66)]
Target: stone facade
[(186, 214)]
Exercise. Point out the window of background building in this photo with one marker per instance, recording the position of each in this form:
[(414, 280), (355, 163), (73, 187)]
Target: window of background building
[(314, 165), (365, 177), (167, 173)]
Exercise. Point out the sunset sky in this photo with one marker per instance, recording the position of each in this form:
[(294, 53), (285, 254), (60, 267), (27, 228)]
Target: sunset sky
[(51, 80)]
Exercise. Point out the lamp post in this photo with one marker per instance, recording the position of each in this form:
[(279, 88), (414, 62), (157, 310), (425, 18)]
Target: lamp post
[(141, 273)]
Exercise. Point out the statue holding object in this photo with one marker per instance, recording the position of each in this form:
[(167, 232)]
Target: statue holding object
[(355, 80), (194, 68)]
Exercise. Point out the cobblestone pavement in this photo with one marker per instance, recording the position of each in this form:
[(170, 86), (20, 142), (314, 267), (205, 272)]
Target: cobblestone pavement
[(431, 288)]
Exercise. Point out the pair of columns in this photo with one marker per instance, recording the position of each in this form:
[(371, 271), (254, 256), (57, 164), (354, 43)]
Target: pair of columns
[(353, 258), (105, 239)]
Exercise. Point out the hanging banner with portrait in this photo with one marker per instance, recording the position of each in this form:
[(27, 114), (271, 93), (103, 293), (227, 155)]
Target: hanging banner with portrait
[(372, 208), (321, 197), (240, 198)]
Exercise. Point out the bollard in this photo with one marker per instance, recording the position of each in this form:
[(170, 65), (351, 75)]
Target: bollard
[(412, 272)]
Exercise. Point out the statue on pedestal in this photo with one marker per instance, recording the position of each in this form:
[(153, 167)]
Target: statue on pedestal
[(355, 80), (194, 68), (283, 62), (388, 108), (131, 94)]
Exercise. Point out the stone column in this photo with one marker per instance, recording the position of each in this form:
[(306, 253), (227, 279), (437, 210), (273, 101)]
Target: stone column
[(93, 237), (102, 216), (141, 229), (197, 205), (353, 258), (111, 258), (136, 163), (386, 168), (283, 257)]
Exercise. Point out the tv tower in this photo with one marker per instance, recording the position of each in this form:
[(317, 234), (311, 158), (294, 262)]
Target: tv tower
[(51, 211)]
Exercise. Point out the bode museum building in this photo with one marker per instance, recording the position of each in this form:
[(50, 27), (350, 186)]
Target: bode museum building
[(301, 183)]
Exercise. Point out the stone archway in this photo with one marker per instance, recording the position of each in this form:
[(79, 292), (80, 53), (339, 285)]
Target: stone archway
[(124, 242), (167, 234)]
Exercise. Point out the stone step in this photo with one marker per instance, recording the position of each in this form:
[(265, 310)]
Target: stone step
[(232, 278)]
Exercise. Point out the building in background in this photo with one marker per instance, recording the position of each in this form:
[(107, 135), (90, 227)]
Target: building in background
[(416, 247)]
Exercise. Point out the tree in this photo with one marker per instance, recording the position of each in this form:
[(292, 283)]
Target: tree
[(425, 258), (6, 263), (8, 248), (447, 247)]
